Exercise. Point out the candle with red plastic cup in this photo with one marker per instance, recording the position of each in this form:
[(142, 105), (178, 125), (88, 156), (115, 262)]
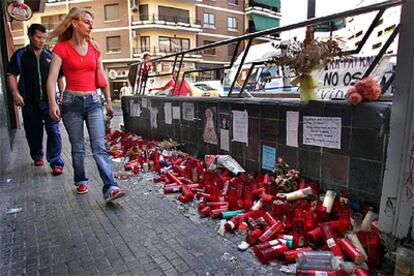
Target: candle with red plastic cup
[(171, 189), (173, 178), (277, 209), (361, 272), (374, 250), (216, 213), (268, 253), (351, 251), (218, 204), (276, 228), (269, 219), (298, 228), (331, 240), (205, 211), (309, 221), (289, 214), (291, 255), (232, 224), (254, 236), (344, 222), (315, 272)]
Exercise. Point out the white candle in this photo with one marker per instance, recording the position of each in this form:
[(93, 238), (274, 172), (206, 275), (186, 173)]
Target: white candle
[(328, 201)]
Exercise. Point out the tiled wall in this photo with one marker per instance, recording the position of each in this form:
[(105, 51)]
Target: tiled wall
[(358, 166)]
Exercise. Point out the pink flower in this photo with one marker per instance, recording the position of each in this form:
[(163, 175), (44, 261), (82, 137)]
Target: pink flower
[(355, 98), (351, 91)]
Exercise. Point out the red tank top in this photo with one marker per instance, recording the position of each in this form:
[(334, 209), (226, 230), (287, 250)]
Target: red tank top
[(79, 70)]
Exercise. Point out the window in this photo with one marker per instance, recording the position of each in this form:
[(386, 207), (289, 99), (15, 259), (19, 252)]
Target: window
[(145, 43), (113, 44), (173, 44), (173, 15), (111, 12), (209, 51), (234, 2), (209, 20), (143, 12), (50, 22), (231, 24)]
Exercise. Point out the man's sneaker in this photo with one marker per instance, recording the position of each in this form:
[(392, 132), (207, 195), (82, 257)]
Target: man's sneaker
[(82, 189), (57, 171), (114, 194), (39, 163)]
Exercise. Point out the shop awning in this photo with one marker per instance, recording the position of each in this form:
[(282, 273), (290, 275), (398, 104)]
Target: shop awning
[(263, 22), (270, 3), (335, 25)]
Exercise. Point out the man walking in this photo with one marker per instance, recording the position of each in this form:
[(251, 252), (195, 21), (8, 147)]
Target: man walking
[(31, 65)]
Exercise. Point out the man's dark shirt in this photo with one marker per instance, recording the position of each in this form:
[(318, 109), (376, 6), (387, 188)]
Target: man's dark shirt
[(29, 84)]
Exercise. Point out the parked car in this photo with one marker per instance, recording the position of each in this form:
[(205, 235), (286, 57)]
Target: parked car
[(203, 90)]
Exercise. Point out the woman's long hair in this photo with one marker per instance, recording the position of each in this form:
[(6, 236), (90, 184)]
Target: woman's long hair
[(64, 30)]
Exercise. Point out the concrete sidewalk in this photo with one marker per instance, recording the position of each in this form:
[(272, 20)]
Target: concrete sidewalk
[(58, 232)]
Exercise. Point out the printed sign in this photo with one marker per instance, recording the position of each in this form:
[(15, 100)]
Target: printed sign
[(341, 74), (240, 126), (209, 134), (188, 111), (322, 131), (268, 158), (19, 11)]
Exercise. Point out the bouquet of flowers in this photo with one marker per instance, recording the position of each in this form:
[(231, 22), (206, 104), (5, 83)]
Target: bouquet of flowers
[(364, 90), (304, 57)]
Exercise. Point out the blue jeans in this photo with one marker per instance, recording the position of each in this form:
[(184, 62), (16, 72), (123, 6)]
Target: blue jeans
[(75, 111), (35, 117)]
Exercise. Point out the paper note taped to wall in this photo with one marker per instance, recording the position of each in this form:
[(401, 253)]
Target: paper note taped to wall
[(322, 131)]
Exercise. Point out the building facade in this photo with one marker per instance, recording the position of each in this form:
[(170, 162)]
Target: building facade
[(127, 29)]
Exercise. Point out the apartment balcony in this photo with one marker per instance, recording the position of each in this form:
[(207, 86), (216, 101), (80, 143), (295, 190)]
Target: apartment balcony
[(138, 52), (267, 7), (176, 23)]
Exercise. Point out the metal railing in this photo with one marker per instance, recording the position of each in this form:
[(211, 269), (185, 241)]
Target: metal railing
[(178, 57), (165, 19)]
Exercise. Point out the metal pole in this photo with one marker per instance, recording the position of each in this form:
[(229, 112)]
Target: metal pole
[(240, 66)]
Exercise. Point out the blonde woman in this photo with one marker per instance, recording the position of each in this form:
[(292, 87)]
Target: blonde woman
[(79, 57)]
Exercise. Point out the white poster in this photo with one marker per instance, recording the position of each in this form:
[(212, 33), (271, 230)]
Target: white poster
[(144, 102), (131, 106), (176, 112), (322, 131), (341, 74), (240, 126), (167, 113), (153, 117), (292, 125), (188, 111), (224, 139)]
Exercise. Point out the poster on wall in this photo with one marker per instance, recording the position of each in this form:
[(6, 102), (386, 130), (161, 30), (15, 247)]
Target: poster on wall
[(224, 120), (134, 109), (268, 157), (292, 125), (167, 113), (240, 126), (209, 133), (176, 112), (188, 111), (322, 131), (144, 102), (225, 139), (153, 117)]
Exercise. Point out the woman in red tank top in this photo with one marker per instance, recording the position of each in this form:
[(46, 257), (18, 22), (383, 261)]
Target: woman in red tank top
[(79, 58)]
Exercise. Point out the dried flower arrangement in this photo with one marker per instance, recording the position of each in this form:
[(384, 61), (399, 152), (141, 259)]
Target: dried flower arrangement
[(304, 57), (366, 89)]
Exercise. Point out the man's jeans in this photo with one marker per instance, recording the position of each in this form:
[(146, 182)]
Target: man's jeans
[(76, 110), (35, 116)]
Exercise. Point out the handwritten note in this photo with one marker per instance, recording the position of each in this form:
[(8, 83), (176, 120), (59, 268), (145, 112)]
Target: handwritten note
[(240, 126), (322, 131), (153, 117), (188, 111), (144, 102)]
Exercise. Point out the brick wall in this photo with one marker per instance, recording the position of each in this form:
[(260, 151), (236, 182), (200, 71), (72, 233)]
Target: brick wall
[(357, 167)]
